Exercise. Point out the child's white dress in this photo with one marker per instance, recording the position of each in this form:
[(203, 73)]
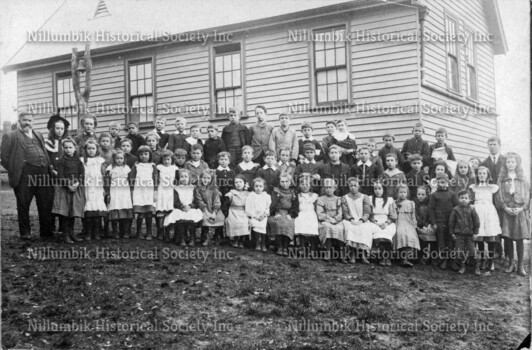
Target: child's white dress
[(186, 197), (120, 205), (490, 228), (257, 205), (165, 190), (237, 222), (144, 189), (306, 222), (94, 192), (357, 236), (380, 215)]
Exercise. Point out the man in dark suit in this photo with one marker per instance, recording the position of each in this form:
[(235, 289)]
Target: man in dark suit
[(24, 156)]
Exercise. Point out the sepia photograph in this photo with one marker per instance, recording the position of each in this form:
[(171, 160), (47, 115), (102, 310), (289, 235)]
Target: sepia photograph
[(265, 174)]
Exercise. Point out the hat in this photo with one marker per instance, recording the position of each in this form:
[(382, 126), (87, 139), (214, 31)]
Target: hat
[(306, 125), (56, 118), (309, 146)]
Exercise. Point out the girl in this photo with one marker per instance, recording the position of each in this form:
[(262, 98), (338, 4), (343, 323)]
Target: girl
[(247, 168), (207, 197), (306, 223), (490, 228), (95, 207), (329, 210), (283, 211), (152, 141), (383, 216), (464, 177), (117, 187), (258, 209), (474, 163), (69, 200), (165, 192), (195, 165), (106, 147), (439, 168), (143, 180), (344, 139), (514, 199), (356, 208), (180, 156), (405, 238), (237, 222), (185, 212), (426, 235), (392, 176)]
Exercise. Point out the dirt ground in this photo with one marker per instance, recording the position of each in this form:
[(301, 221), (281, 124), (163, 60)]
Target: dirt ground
[(138, 294)]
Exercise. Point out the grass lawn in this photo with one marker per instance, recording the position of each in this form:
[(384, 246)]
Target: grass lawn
[(230, 298)]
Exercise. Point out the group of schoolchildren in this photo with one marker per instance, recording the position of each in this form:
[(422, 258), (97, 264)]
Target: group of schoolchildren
[(261, 184)]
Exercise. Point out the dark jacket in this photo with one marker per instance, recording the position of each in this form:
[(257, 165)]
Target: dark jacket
[(243, 133), (464, 220), (176, 141), (367, 176), (284, 200), (495, 169), (441, 203), (211, 149)]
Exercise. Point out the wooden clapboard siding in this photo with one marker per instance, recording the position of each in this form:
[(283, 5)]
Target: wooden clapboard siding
[(471, 16), (34, 88)]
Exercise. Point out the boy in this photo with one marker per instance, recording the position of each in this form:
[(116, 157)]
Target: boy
[(160, 122), (247, 167), (270, 173), (392, 176), (180, 158), (136, 139), (285, 166), (224, 175), (260, 134), (336, 170), (366, 171), (307, 129), (195, 165), (416, 177), (126, 146), (213, 146), (114, 129), (416, 145), (327, 141), (373, 154), (441, 203), (285, 137), (388, 148), (194, 139), (235, 136), (444, 152), (178, 139), (464, 224), (310, 166)]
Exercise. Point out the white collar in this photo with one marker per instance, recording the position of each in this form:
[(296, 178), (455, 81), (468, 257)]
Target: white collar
[(271, 167), (157, 131), (221, 168), (309, 139), (281, 163), (247, 166), (392, 172), (180, 133), (306, 161), (196, 163), (368, 163), (192, 140), (496, 156)]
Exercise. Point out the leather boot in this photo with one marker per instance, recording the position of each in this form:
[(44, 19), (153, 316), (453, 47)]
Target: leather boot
[(65, 229), (520, 268), (511, 268), (139, 229), (477, 268), (159, 226), (148, 228)]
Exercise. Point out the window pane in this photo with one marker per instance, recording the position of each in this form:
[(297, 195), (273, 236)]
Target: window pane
[(329, 58), (319, 45), (140, 87), (321, 78), (219, 80), (332, 92), (236, 78), (74, 123), (340, 34), (342, 75), (133, 72), (320, 59), (340, 56), (219, 63), (140, 71), (133, 91), (220, 104), (229, 93), (329, 44), (322, 93), (60, 101), (135, 102), (60, 86), (147, 70), (331, 76), (238, 103), (227, 62), (148, 88), (71, 99), (236, 61), (228, 79), (342, 91)]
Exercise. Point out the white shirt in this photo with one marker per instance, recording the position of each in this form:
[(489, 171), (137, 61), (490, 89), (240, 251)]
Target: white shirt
[(306, 161), (367, 163), (247, 166), (271, 167), (222, 168)]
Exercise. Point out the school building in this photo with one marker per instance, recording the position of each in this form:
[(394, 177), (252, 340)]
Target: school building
[(380, 64)]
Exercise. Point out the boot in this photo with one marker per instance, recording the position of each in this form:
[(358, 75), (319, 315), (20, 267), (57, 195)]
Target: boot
[(139, 229), (192, 231), (256, 237), (462, 268), (205, 235), (491, 265), (127, 228), (65, 229), (97, 228), (511, 268), (477, 268), (87, 228), (166, 233), (149, 222), (159, 226), (520, 268), (443, 265), (406, 263), (114, 227), (106, 228)]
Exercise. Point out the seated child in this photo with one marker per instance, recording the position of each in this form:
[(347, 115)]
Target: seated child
[(207, 198), (306, 223), (237, 221), (195, 165), (258, 209)]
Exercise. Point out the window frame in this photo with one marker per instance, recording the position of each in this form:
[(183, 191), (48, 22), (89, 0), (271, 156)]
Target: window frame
[(60, 75), (471, 62), (450, 18), (137, 61), (212, 71)]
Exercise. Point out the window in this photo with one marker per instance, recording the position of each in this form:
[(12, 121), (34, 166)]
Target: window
[(330, 67), (141, 91), (228, 79), (453, 75), (65, 99), (471, 71)]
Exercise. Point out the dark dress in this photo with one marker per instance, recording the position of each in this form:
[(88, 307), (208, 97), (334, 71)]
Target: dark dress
[(66, 203), (285, 203)]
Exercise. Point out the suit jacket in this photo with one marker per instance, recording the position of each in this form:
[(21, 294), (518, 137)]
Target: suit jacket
[(495, 169), (12, 152)]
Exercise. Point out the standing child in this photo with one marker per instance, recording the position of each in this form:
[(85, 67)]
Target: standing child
[(327, 141), (388, 148), (336, 170), (347, 143), (159, 123), (440, 151), (284, 136), (119, 205), (283, 211), (225, 176), (474, 163), (366, 171), (194, 138), (237, 222), (185, 213), (69, 199), (438, 168), (463, 225), (130, 159), (356, 208), (178, 139), (310, 166), (247, 168), (269, 172), (392, 176), (144, 181), (213, 146), (441, 203), (514, 200), (258, 209), (383, 216), (416, 145), (306, 223), (285, 165), (416, 177), (260, 134), (195, 165), (165, 193), (426, 235), (374, 155), (306, 130), (136, 139), (152, 141), (331, 228), (464, 177), (235, 136), (207, 198), (95, 208), (106, 147), (180, 157), (405, 239), (114, 131), (490, 229)]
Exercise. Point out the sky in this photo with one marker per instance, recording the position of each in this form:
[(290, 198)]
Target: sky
[(512, 71)]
